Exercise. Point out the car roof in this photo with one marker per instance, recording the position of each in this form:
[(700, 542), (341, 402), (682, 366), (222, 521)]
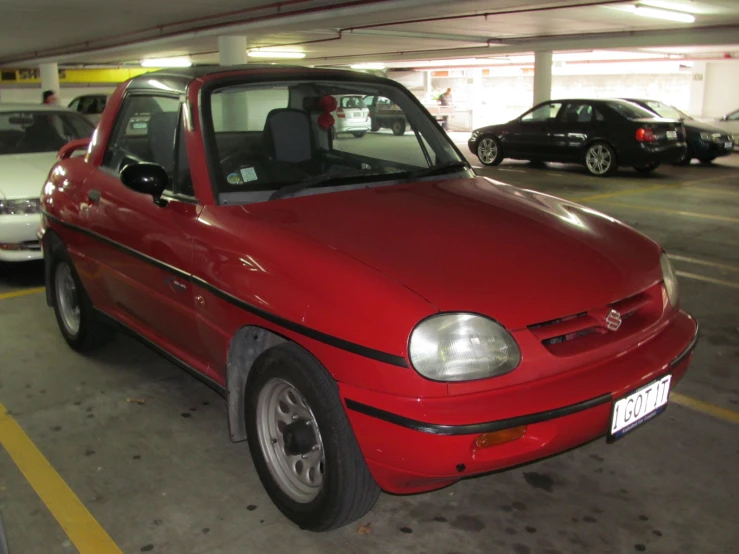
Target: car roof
[(28, 107), (178, 78)]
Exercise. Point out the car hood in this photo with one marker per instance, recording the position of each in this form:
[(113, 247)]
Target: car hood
[(476, 245), (702, 127), (23, 175)]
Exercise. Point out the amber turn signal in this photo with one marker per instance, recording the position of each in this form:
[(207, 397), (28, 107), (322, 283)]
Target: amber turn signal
[(486, 440)]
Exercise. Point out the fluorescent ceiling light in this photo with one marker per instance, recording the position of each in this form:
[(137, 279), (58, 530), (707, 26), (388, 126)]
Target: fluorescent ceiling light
[(657, 13), (284, 54), (368, 66), (166, 62)]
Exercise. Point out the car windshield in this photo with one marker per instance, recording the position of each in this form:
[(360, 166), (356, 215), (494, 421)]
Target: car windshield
[(271, 140), (26, 132), (665, 110), (630, 110)]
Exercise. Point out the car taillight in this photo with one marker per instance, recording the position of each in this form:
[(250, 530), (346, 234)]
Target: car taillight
[(340, 113), (644, 134)]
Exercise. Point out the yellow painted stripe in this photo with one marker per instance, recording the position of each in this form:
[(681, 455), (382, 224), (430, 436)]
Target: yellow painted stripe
[(696, 261), (83, 530), (621, 193), (704, 407), (698, 277), (666, 211), (24, 292)]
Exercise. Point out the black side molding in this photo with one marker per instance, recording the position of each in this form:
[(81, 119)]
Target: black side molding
[(689, 350), (475, 428)]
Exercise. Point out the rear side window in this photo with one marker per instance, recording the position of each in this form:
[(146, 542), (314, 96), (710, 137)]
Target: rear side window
[(630, 111), (40, 131)]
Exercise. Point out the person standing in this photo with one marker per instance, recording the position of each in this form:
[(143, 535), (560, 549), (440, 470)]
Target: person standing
[(446, 100), (49, 97)]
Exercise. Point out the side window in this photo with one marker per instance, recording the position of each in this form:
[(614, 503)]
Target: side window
[(542, 113), (368, 100), (599, 116), (74, 104), (145, 132), (733, 116), (577, 113)]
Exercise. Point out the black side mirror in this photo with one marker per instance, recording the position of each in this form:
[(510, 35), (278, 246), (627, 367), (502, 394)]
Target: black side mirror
[(146, 178)]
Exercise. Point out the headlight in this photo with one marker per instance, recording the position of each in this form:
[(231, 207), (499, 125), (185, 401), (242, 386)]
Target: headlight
[(670, 279), (20, 206), (462, 347)]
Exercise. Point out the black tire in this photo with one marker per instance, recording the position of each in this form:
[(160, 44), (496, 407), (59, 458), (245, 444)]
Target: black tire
[(707, 160), (374, 125), (687, 157), (646, 168), (348, 490), (600, 159), (398, 127), (359, 134), (91, 332), (488, 150)]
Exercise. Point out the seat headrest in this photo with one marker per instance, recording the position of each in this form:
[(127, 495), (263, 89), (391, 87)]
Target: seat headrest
[(287, 135)]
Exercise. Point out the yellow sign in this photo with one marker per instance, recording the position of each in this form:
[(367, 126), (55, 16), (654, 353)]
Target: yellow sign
[(72, 76)]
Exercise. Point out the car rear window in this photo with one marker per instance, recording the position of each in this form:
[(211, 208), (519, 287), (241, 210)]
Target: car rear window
[(630, 111), (27, 132)]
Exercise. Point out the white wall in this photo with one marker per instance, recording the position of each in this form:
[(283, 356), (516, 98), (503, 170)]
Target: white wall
[(32, 95), (721, 92)]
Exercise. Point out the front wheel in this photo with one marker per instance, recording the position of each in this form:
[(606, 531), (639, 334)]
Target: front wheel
[(600, 159), (488, 151), (359, 134), (707, 160), (302, 444), (74, 312), (398, 127)]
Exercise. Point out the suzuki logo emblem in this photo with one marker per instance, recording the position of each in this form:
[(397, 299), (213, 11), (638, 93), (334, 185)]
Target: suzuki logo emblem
[(613, 320)]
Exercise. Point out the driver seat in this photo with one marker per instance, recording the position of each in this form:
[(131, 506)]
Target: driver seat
[(289, 144)]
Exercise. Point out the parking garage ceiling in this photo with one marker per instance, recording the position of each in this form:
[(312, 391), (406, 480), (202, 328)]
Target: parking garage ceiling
[(346, 32)]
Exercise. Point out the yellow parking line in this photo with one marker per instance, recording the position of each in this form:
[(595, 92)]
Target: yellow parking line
[(704, 407), (666, 211), (621, 193), (703, 262), (698, 277), (82, 529), (24, 292)]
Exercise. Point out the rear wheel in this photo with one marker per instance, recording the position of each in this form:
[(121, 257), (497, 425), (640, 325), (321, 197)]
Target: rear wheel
[(488, 150), (707, 160), (399, 127), (75, 315), (600, 159), (359, 134), (374, 125), (302, 444)]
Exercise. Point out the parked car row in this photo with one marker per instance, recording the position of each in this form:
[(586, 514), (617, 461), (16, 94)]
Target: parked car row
[(300, 276), (603, 135)]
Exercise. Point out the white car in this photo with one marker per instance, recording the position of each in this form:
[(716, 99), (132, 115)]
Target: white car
[(30, 137), (730, 123), (351, 115), (90, 105)]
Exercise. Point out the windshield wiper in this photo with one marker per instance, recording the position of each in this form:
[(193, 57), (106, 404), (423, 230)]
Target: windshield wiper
[(294, 188), (438, 169)]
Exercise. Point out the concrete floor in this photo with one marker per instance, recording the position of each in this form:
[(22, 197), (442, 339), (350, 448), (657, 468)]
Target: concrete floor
[(163, 476)]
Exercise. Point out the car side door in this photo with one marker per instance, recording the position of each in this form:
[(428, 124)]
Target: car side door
[(145, 250), (576, 124), (528, 136)]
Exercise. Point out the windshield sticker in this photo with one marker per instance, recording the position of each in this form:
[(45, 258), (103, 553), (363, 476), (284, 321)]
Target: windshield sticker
[(234, 179), (248, 174)]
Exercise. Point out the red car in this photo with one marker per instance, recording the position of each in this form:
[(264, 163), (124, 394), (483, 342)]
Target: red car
[(377, 316)]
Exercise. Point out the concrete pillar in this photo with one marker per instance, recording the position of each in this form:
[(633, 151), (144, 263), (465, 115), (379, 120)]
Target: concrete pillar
[(232, 50), (476, 99), (697, 89), (542, 76), (49, 73), (233, 107)]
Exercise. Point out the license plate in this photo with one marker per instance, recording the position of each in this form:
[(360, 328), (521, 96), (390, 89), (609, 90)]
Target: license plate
[(728, 145), (639, 407), (671, 134)]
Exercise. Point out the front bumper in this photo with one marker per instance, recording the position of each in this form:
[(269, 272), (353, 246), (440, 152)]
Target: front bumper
[(712, 149), (18, 240), (413, 445)]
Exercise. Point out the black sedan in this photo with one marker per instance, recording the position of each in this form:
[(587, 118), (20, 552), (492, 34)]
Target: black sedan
[(705, 141), (601, 134)]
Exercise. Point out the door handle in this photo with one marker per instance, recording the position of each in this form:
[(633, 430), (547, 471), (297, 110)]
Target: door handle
[(93, 196)]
